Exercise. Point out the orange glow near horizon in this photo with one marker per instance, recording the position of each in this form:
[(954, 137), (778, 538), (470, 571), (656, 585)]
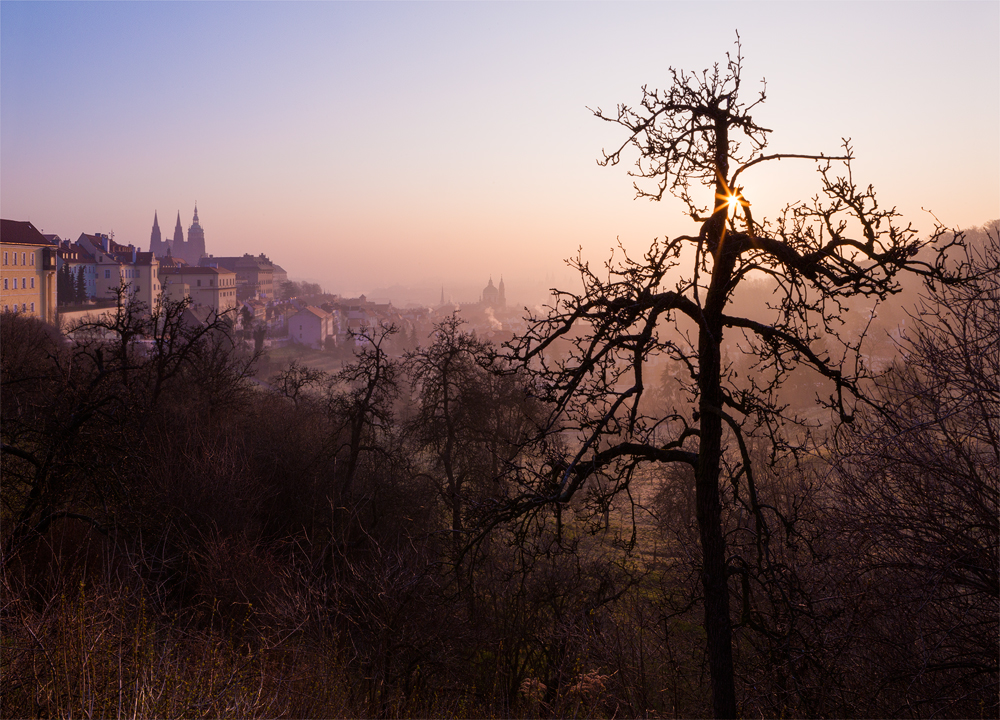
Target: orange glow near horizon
[(369, 145)]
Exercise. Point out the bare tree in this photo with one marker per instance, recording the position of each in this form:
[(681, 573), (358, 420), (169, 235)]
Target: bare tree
[(920, 488), (448, 376), (697, 140), (73, 408), (360, 401)]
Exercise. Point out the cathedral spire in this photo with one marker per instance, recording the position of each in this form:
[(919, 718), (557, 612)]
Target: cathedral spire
[(155, 239), (178, 232)]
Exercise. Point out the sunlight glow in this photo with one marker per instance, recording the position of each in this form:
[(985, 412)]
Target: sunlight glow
[(734, 204)]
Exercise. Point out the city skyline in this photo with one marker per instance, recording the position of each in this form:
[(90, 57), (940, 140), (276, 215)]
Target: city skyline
[(369, 145)]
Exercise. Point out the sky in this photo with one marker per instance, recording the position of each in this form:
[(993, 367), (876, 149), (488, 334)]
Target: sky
[(436, 145)]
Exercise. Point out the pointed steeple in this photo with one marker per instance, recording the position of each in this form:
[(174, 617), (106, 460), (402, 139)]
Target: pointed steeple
[(178, 232), (195, 212), (155, 239)]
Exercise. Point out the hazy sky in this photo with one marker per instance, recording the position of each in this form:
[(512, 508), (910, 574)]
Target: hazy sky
[(362, 145)]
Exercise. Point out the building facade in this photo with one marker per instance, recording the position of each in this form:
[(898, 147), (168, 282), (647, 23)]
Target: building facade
[(122, 265), (208, 287), (254, 275), (28, 263), (311, 326)]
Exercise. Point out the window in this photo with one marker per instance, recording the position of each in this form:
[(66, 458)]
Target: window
[(107, 274), (24, 307), (15, 283), (199, 283), (5, 262), (32, 283), (22, 259), (24, 283), (32, 258), (6, 308), (32, 307), (15, 258), (5, 284)]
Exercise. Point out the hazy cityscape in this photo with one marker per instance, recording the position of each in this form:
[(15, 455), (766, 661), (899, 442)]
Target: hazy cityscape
[(499, 360)]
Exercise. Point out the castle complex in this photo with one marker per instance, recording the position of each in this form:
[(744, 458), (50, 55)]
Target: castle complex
[(190, 250)]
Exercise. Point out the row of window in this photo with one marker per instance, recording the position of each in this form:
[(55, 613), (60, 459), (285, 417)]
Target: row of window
[(24, 307), (24, 258), (24, 284), (128, 274)]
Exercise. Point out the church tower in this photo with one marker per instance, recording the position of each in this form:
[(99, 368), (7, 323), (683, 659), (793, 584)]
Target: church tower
[(196, 240), (490, 296), (157, 246), (503, 294), (178, 242)]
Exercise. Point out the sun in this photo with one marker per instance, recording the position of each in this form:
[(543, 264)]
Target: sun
[(733, 203)]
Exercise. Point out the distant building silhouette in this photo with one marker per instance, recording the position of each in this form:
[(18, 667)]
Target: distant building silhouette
[(190, 251), (494, 297), (195, 241), (156, 244)]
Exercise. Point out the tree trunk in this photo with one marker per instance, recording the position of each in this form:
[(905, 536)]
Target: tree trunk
[(708, 506), (718, 627)]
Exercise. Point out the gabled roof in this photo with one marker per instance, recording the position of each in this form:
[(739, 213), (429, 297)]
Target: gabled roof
[(313, 310), (97, 241), (21, 233), (77, 253)]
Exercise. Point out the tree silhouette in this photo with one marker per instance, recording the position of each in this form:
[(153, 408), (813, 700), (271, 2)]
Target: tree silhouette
[(80, 286), (67, 402), (449, 375), (590, 354), (920, 494)]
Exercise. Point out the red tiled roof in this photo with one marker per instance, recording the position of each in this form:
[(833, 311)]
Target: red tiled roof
[(318, 312), (21, 233)]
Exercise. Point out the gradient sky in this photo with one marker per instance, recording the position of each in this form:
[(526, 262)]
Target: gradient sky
[(362, 145)]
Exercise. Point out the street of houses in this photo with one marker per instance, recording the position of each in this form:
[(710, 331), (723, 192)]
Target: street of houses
[(66, 282)]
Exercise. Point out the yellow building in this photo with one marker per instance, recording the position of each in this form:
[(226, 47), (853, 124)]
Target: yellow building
[(27, 271)]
